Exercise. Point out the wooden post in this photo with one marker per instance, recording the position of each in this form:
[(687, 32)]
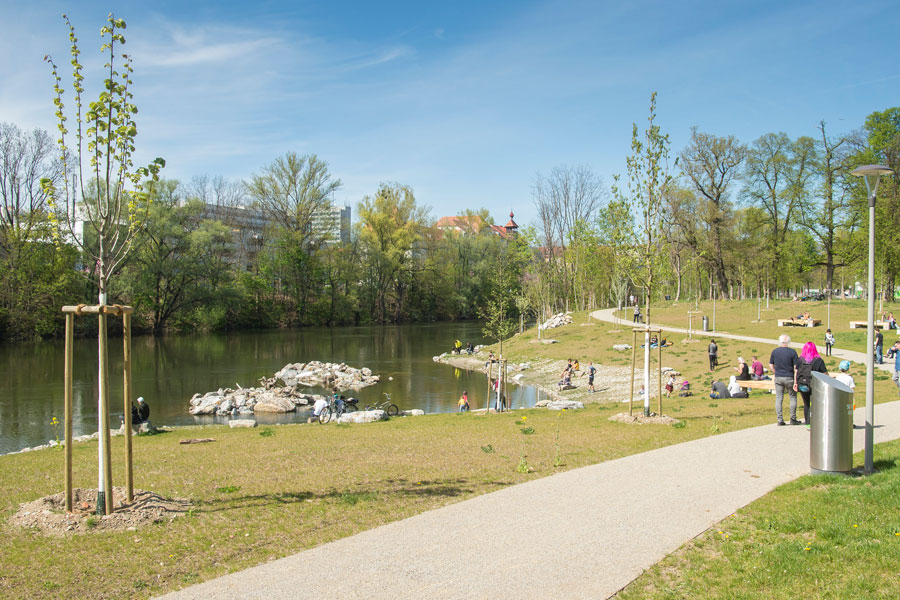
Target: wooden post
[(487, 405), (103, 406), (659, 370), (67, 394), (126, 375), (633, 356)]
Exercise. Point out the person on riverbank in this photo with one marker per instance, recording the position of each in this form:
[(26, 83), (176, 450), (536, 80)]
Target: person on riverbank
[(318, 407), (464, 402), (809, 361), (896, 376), (713, 351), (141, 412), (783, 364), (592, 370), (829, 342)]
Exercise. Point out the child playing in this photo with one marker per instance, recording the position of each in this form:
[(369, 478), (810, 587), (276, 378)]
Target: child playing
[(464, 402), (670, 385), (845, 377)]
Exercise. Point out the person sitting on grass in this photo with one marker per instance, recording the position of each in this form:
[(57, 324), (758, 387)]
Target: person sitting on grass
[(719, 391), (735, 389)]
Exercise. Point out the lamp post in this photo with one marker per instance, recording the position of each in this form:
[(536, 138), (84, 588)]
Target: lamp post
[(872, 175), (715, 293)]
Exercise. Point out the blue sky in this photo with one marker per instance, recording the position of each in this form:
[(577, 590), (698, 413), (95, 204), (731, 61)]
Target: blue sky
[(467, 101)]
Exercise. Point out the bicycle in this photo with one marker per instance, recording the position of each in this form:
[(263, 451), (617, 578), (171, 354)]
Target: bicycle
[(334, 410), (387, 406)]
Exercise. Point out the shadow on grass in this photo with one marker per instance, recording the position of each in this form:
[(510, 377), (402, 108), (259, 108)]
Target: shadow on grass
[(448, 488)]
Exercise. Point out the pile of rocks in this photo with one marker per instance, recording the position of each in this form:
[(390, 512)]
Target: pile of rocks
[(329, 375), (279, 394), (247, 401), (557, 320)]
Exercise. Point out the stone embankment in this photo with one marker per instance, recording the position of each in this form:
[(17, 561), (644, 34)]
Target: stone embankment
[(280, 393), (557, 320)]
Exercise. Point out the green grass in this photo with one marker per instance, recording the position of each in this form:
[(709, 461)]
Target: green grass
[(816, 537)]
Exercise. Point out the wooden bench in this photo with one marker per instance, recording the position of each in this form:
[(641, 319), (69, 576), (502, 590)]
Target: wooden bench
[(799, 322), (762, 384), (864, 324)]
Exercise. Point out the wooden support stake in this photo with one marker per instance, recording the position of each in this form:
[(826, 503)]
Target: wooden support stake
[(126, 375), (67, 394), (633, 356), (487, 405), (104, 416), (659, 370)]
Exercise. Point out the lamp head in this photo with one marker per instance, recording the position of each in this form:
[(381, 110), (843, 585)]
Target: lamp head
[(873, 174)]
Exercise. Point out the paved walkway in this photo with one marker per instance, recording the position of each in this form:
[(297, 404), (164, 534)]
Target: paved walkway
[(585, 533), (851, 355)]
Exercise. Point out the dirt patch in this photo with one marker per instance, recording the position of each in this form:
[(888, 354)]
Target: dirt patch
[(48, 515), (640, 419)]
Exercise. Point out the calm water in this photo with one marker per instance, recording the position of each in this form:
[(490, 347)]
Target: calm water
[(168, 371)]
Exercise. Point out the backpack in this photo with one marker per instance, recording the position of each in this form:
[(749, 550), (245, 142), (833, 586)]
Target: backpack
[(804, 375)]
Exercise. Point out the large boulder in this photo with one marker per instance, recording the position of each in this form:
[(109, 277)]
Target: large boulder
[(207, 405), (363, 416), (564, 405), (272, 403), (242, 423)]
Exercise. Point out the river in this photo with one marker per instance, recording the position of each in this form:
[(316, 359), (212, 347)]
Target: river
[(168, 370)]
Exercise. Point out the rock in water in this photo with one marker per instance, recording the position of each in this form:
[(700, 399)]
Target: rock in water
[(241, 423)]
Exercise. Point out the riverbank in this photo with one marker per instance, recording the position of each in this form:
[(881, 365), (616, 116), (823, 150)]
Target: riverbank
[(611, 383)]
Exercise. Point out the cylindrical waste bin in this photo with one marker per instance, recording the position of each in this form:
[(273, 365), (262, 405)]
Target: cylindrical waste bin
[(705, 323), (831, 429)]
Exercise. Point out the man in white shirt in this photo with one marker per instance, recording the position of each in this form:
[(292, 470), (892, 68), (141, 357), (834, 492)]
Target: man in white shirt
[(318, 407)]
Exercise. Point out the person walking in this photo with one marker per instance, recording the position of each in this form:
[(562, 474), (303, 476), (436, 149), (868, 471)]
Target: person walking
[(464, 402), (637, 313), (809, 361), (713, 355), (896, 350), (783, 364), (829, 342), (879, 346)]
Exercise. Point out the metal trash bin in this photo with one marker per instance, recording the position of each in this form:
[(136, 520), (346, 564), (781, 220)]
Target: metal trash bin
[(831, 430), (705, 323)]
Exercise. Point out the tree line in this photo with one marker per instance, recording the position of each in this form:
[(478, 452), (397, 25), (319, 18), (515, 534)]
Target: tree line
[(720, 216)]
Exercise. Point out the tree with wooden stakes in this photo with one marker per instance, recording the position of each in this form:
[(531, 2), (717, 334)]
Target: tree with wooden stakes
[(100, 206), (648, 179)]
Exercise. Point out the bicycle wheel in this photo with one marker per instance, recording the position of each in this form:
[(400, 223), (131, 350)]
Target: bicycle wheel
[(368, 408), (349, 408), (325, 415), (393, 410)]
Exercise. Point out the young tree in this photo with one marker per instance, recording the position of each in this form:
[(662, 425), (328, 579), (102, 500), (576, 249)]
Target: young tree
[(101, 188), (648, 179)]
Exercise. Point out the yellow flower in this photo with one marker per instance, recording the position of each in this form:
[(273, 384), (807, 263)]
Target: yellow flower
[(524, 418), (855, 525), (807, 548)]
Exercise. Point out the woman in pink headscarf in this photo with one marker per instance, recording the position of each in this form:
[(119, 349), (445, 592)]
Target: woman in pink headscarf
[(809, 361)]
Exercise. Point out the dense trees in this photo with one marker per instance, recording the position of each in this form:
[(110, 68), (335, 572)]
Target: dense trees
[(777, 216)]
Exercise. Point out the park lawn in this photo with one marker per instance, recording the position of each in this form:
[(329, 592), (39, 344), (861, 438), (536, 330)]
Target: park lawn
[(817, 537), (260, 494), (739, 317)]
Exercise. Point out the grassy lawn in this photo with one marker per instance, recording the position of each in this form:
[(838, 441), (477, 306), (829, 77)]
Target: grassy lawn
[(739, 316), (260, 494), (816, 537)]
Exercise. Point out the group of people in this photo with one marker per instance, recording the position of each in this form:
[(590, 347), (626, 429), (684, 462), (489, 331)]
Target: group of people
[(889, 319), (572, 369), (459, 347), (793, 374)]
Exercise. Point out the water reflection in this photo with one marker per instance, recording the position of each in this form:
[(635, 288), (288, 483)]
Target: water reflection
[(168, 371)]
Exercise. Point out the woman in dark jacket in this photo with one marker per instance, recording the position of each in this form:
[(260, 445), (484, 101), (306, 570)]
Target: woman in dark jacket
[(809, 361)]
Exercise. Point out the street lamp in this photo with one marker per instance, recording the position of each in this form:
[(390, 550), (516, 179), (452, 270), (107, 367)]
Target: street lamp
[(872, 174)]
